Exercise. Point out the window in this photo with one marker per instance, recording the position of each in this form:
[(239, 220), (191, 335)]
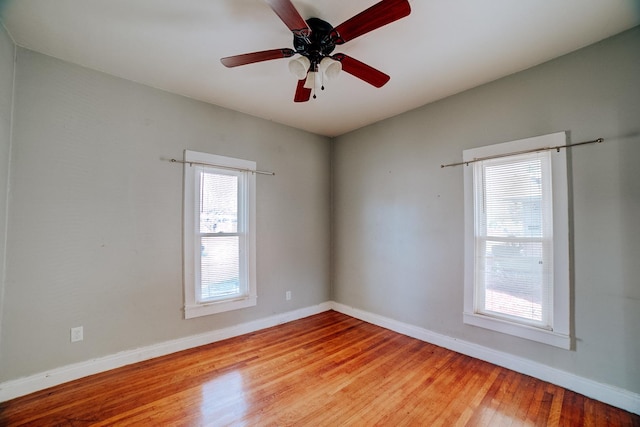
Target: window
[(219, 234), (516, 244)]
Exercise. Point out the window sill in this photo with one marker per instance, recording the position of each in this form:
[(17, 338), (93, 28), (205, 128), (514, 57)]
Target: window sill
[(197, 310), (527, 332)]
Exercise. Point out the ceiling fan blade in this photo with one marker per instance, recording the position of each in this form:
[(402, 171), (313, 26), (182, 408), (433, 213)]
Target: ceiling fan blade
[(302, 93), (250, 58), (378, 15), (361, 70), (287, 12)]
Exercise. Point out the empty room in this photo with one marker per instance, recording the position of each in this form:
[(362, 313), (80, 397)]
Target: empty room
[(319, 212)]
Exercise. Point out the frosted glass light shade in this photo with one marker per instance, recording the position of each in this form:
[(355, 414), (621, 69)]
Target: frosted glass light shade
[(299, 67), (330, 67)]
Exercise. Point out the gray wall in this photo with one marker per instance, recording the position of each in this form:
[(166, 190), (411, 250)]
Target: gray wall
[(7, 51), (398, 239), (95, 214)]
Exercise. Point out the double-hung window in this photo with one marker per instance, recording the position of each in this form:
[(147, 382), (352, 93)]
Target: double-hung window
[(219, 234), (516, 245)]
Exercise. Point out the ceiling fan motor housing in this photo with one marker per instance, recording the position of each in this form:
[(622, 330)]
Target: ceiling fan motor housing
[(318, 45)]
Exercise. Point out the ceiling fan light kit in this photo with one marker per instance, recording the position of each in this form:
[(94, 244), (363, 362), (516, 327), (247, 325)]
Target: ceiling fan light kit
[(315, 40)]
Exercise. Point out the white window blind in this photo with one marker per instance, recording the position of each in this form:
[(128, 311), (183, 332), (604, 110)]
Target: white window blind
[(222, 234), (514, 238)]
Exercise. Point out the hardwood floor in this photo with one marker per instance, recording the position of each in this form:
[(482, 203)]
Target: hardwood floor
[(325, 370)]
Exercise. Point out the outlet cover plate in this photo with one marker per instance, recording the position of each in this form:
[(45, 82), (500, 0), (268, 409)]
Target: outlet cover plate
[(77, 334)]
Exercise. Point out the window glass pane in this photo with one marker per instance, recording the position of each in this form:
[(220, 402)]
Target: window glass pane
[(513, 194), (513, 249), (218, 203), (219, 267), (513, 279)]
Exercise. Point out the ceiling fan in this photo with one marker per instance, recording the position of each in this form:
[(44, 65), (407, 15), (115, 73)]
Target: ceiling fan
[(315, 40)]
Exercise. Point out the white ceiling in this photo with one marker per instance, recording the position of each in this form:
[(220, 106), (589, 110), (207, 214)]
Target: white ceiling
[(443, 47)]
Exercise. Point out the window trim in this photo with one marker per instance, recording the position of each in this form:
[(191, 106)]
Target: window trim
[(560, 335), (192, 306)]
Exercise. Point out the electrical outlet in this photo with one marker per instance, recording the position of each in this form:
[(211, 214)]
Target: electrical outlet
[(287, 295), (77, 334)]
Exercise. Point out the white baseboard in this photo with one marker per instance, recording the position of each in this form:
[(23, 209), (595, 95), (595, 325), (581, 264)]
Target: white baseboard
[(615, 396), (23, 386), (609, 394)]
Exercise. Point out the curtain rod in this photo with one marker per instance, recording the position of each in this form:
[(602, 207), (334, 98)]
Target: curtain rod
[(533, 150), (222, 167)]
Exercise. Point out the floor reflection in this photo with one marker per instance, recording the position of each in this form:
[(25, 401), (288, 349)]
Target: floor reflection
[(223, 400)]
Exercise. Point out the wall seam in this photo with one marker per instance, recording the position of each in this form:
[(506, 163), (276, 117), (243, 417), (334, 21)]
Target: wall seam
[(332, 217), (3, 279)]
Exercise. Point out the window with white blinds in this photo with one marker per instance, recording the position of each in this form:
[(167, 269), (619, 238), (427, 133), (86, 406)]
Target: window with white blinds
[(516, 244), (219, 234), (514, 236), (222, 234)]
